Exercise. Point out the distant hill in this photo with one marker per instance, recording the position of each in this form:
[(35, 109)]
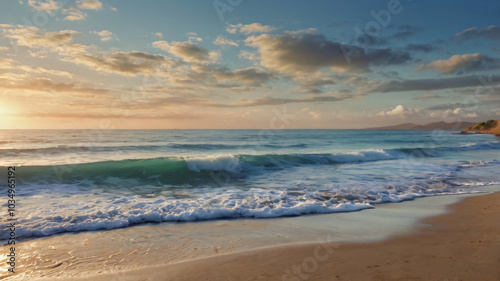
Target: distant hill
[(430, 126), (488, 127)]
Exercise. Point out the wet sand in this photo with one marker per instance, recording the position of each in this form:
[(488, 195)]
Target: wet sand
[(461, 244)]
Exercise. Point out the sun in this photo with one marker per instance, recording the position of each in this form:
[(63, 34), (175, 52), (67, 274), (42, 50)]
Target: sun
[(5, 109)]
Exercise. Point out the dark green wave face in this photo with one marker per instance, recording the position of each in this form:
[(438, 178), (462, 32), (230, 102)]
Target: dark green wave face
[(196, 171), (159, 170)]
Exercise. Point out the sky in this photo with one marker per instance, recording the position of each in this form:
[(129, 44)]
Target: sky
[(231, 64)]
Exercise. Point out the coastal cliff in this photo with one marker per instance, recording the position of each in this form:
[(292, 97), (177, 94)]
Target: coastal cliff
[(488, 127)]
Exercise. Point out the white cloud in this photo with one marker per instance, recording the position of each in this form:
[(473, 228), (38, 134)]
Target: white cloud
[(159, 34), (460, 112), (44, 5), (250, 76), (128, 64), (249, 28), (221, 41), (106, 35), (12, 65), (315, 115), (186, 50), (491, 32), (248, 55), (89, 4), (193, 36), (74, 14), (396, 111), (454, 113), (31, 36), (399, 111), (197, 39), (464, 63)]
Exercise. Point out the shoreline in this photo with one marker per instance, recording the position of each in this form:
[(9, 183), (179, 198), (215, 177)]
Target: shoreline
[(109, 254), (460, 245)]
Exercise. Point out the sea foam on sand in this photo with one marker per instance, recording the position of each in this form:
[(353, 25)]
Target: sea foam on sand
[(148, 245)]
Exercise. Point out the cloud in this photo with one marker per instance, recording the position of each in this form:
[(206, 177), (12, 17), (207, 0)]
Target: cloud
[(460, 112), (302, 52), (89, 4), (41, 43), (463, 64), (61, 42), (266, 100), (447, 106), (94, 115), (256, 28), (129, 64), (74, 14), (490, 32), (249, 28), (159, 34), (186, 50), (106, 35), (434, 83), (399, 111), (12, 65), (44, 5), (428, 96), (248, 55), (221, 41), (250, 76), (405, 32), (193, 36), (314, 84), (315, 115), (425, 48), (31, 36), (47, 85), (197, 39)]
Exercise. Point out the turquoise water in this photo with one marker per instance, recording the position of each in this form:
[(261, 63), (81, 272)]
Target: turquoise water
[(78, 180)]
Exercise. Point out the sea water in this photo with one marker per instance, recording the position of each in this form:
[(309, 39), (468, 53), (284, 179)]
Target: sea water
[(81, 180)]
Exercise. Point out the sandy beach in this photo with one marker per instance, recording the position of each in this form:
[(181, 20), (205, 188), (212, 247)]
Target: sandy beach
[(460, 244)]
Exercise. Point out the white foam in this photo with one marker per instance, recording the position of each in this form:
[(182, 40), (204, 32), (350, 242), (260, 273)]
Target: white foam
[(287, 192), (233, 164), (121, 212), (366, 155), (213, 163)]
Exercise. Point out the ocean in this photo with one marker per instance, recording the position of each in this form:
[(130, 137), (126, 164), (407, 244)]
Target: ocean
[(85, 180)]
